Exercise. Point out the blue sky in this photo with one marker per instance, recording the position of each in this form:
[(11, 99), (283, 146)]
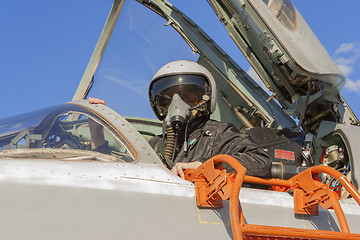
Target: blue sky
[(45, 46)]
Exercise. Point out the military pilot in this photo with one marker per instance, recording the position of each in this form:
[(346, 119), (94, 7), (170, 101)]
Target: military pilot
[(183, 95)]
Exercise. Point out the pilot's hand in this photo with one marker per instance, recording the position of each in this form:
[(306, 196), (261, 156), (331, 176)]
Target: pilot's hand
[(96, 101), (179, 168)]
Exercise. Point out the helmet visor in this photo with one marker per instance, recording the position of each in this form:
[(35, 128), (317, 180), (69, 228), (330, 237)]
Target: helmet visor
[(190, 88)]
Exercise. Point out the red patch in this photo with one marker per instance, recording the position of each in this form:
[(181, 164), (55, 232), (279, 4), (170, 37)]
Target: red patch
[(282, 154)]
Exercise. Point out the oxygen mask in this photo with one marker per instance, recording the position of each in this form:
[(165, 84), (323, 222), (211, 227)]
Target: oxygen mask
[(178, 111)]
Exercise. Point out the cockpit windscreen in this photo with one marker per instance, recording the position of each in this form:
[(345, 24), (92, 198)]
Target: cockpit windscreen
[(136, 50), (61, 132)]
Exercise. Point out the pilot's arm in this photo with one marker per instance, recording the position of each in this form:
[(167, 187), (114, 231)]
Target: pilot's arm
[(179, 167)]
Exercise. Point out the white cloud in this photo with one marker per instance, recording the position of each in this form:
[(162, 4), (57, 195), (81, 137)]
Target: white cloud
[(346, 58), (353, 86), (345, 47), (345, 69)]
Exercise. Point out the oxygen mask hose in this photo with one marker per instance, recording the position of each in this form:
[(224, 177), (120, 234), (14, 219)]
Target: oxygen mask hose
[(170, 142), (169, 146)]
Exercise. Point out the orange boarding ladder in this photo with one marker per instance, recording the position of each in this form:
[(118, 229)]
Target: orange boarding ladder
[(214, 185)]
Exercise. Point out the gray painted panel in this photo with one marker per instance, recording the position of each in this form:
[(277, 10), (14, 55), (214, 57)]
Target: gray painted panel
[(91, 200)]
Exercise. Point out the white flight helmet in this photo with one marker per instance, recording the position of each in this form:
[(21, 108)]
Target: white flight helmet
[(178, 77)]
